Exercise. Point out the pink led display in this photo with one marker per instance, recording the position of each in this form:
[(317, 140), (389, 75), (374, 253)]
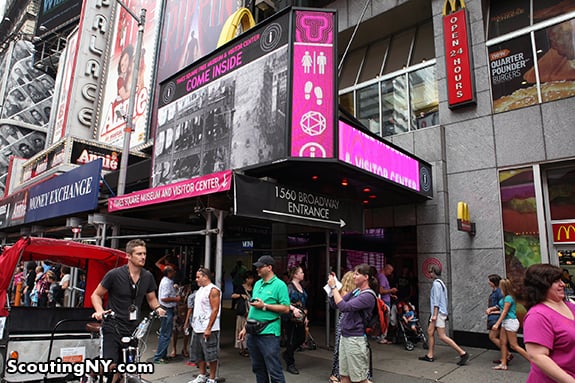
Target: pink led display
[(313, 116), (374, 156)]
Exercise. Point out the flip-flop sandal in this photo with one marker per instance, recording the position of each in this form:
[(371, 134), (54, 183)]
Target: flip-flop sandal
[(500, 367), (333, 379)]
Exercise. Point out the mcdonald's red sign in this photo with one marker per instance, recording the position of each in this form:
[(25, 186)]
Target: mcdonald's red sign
[(564, 232)]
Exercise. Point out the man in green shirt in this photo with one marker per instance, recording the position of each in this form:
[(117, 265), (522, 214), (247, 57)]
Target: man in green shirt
[(270, 299)]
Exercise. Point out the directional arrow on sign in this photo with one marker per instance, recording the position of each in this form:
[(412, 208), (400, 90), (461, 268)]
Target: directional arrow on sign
[(341, 222)]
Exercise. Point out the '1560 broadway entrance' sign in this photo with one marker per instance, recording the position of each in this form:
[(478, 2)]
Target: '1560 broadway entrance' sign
[(458, 57)]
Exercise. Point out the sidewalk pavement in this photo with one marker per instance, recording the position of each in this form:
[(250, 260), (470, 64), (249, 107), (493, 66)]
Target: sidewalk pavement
[(391, 363)]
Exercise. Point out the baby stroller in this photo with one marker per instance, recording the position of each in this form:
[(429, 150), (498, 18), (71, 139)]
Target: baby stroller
[(405, 332)]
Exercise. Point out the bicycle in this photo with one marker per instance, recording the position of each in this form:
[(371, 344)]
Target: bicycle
[(133, 347)]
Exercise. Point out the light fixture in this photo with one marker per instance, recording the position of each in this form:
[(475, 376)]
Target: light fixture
[(366, 190), (372, 196), (265, 5), (315, 178), (365, 202), (344, 182)]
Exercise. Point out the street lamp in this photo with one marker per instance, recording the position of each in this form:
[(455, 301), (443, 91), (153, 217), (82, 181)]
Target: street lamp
[(132, 99)]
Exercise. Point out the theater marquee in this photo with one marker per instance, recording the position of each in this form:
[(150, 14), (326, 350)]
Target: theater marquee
[(458, 54)]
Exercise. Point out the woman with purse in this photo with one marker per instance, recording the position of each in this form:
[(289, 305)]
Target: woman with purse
[(295, 326), (243, 294)]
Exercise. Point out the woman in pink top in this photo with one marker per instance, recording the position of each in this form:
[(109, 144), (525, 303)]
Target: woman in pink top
[(549, 327)]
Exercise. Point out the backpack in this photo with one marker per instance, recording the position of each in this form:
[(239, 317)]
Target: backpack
[(379, 321)]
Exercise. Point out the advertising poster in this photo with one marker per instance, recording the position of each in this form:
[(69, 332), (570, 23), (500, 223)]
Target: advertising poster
[(227, 111), (120, 74), (509, 63), (64, 80), (555, 61), (508, 16), (191, 31), (27, 99)]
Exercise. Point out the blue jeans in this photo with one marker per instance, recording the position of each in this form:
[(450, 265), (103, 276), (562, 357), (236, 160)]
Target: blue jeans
[(166, 324), (264, 353)]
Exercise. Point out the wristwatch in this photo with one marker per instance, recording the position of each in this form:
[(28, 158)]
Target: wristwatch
[(332, 287), (265, 308)]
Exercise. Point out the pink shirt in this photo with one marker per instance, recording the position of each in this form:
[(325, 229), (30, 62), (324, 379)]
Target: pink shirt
[(548, 328)]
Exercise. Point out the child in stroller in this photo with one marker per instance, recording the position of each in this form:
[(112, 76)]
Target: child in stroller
[(409, 327)]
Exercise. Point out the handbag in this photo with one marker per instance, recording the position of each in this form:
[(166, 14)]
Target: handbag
[(297, 320), (255, 327)]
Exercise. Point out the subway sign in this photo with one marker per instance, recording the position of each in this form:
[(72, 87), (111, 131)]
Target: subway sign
[(564, 232)]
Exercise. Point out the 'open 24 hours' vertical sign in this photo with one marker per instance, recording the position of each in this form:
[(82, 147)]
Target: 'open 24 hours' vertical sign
[(458, 57)]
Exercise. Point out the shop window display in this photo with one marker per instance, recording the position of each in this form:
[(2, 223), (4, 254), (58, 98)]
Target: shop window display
[(517, 79), (561, 186)]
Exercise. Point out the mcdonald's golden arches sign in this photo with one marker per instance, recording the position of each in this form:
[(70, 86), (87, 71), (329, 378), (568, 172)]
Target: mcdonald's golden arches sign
[(564, 232)]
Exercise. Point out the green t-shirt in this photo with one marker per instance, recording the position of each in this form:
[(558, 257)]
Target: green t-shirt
[(272, 292)]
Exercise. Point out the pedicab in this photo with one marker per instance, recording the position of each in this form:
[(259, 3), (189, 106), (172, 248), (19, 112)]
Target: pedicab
[(35, 343)]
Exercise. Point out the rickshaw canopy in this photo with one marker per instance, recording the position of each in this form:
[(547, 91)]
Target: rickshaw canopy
[(95, 260)]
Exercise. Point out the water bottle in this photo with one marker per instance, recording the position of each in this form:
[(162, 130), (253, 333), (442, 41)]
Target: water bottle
[(141, 331)]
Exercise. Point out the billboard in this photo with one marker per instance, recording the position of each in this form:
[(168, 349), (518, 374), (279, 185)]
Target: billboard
[(25, 106), (190, 31), (119, 76), (227, 110), (313, 91), (53, 14), (63, 82)]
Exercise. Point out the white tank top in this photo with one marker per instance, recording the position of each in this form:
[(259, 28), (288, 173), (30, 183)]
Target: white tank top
[(203, 310)]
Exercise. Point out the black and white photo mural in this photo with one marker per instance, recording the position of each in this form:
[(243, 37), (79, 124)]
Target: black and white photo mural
[(25, 106)]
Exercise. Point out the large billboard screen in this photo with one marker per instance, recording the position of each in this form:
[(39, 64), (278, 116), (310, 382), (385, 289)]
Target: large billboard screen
[(191, 30), (226, 111), (120, 75)]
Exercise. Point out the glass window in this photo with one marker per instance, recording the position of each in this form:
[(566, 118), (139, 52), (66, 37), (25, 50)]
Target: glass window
[(555, 52), (508, 16), (346, 102), (424, 98), (399, 51), (519, 212), (394, 106), (424, 47), (351, 66), (511, 67), (374, 60), (546, 9), (368, 107), (561, 184)]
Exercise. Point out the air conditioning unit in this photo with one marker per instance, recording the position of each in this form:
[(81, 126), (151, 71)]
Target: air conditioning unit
[(265, 5)]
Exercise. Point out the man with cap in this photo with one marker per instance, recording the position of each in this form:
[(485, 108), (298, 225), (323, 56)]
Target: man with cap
[(270, 299)]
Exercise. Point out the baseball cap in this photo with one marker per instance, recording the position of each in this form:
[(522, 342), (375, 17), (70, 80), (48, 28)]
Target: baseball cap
[(264, 260)]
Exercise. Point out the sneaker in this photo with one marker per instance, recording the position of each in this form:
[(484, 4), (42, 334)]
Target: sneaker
[(159, 361), (211, 381), (190, 363), (463, 359), (199, 379)]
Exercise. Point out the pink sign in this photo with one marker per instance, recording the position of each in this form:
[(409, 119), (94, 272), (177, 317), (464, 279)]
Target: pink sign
[(313, 112), (211, 183), (374, 156)]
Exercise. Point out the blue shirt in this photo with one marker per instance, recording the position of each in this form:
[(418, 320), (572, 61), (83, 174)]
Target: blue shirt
[(512, 313), (438, 297)]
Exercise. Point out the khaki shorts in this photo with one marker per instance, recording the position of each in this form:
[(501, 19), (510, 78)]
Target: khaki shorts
[(354, 357)]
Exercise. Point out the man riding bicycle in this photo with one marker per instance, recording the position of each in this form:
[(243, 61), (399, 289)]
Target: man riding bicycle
[(126, 287)]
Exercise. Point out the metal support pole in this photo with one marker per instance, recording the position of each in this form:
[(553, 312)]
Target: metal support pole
[(208, 239), (220, 248), (327, 307), (132, 100)]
